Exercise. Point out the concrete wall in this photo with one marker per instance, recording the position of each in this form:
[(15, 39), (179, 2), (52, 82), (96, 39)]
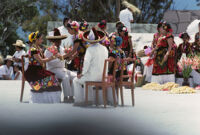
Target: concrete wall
[(136, 28), (180, 19)]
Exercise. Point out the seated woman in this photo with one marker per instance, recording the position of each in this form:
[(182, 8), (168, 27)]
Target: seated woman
[(126, 41), (45, 87), (116, 52), (185, 47)]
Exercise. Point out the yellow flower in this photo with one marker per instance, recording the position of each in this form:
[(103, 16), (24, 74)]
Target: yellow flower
[(50, 83)]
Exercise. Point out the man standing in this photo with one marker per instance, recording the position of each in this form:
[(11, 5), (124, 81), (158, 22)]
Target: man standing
[(64, 31), (57, 66), (92, 66), (126, 17)]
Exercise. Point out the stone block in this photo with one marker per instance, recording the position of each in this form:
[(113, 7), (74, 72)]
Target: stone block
[(182, 27), (184, 16), (171, 16)]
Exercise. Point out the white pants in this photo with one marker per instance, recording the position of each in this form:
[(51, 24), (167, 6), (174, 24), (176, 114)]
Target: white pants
[(148, 73), (67, 77), (79, 90), (162, 79)]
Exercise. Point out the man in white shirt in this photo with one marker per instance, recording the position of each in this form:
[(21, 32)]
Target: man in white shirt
[(6, 71), (64, 31), (19, 46), (126, 17), (57, 66), (92, 67)]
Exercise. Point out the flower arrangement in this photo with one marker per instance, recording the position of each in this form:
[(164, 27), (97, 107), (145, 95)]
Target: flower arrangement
[(53, 49), (185, 65)]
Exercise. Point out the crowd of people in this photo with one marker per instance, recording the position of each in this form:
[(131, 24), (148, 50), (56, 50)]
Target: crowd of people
[(77, 55)]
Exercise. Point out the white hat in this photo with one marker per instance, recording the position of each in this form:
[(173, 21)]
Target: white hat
[(19, 43)]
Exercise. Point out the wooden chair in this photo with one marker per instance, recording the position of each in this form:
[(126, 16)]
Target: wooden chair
[(23, 77), (107, 81), (129, 83)]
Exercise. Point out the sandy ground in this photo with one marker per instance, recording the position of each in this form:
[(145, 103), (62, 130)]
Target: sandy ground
[(154, 113)]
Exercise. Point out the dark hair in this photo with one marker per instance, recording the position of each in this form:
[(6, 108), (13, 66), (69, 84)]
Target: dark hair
[(102, 24), (119, 24), (65, 19), (83, 25), (166, 26), (21, 48), (122, 28), (159, 24), (184, 34)]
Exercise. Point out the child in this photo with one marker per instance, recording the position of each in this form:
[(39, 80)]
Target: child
[(18, 73)]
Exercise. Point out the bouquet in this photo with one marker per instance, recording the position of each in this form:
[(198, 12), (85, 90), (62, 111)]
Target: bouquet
[(53, 49), (185, 65)]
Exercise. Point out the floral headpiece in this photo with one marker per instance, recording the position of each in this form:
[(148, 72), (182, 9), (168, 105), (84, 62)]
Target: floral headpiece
[(117, 40), (74, 25), (84, 25), (33, 36), (102, 24), (181, 35), (167, 27)]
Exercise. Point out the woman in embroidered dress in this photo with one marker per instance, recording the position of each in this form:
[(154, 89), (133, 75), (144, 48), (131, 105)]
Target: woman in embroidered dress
[(126, 41), (164, 57), (116, 52), (102, 25), (149, 52), (196, 45), (45, 87), (78, 50)]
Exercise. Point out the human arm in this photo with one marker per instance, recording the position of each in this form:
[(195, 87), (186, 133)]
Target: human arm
[(131, 46), (17, 75), (170, 44)]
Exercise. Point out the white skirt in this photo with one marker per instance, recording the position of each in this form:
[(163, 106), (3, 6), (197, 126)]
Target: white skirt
[(180, 81), (196, 77), (148, 73), (162, 79), (45, 97)]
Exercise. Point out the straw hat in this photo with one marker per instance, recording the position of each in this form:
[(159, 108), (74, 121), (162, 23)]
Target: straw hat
[(93, 36), (19, 43), (56, 36), (133, 8), (9, 57)]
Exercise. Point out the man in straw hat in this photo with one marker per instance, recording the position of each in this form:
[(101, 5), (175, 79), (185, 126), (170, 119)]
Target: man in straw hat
[(6, 70), (57, 66), (19, 46), (125, 16), (92, 66)]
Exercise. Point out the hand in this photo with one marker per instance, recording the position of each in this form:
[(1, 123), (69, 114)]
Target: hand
[(165, 58), (79, 76)]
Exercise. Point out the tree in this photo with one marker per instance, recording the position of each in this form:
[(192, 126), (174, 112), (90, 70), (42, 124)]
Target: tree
[(13, 14), (152, 11)]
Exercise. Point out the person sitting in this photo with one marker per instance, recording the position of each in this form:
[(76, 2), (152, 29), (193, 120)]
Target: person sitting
[(127, 42), (93, 64), (57, 66), (45, 87), (6, 70), (17, 72), (19, 47)]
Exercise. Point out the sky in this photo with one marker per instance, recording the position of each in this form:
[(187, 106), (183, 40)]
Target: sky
[(185, 5)]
